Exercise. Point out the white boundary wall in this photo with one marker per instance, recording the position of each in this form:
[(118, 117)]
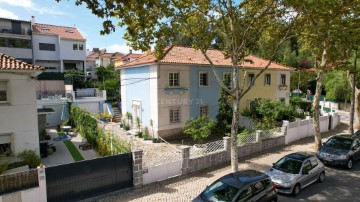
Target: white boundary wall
[(300, 129)]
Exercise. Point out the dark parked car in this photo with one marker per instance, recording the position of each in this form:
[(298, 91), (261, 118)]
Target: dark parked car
[(247, 185), (295, 171), (340, 150)]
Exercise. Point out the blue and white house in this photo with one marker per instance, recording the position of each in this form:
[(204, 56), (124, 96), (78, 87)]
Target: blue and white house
[(182, 85)]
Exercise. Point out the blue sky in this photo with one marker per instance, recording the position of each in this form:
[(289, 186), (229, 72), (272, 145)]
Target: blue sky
[(65, 13)]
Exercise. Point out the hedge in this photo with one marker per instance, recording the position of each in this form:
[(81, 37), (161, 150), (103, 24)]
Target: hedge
[(87, 126)]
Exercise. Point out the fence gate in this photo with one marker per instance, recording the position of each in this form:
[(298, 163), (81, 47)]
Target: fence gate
[(80, 180)]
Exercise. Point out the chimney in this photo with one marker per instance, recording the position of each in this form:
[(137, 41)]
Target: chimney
[(130, 51), (32, 20)]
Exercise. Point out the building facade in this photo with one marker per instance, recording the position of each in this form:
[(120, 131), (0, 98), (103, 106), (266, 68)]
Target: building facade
[(18, 111), (182, 85)]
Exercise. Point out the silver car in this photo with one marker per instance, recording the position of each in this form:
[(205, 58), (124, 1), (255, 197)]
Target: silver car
[(295, 171)]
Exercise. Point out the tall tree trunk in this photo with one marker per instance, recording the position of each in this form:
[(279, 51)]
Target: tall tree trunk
[(352, 83), (316, 109), (235, 122), (357, 107)]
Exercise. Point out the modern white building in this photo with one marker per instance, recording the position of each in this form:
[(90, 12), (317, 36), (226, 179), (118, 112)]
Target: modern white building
[(58, 48), (18, 110), (15, 39)]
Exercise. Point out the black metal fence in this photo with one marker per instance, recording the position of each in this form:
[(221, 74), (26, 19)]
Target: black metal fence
[(84, 179), (18, 181)]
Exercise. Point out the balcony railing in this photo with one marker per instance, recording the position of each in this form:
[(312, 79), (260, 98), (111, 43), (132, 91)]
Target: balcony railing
[(89, 93), (9, 30)]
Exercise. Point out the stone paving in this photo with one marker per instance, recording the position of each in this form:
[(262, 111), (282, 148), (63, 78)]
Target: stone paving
[(186, 188)]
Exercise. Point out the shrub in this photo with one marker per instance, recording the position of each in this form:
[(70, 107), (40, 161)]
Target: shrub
[(146, 133), (199, 129), (3, 167), (30, 157)]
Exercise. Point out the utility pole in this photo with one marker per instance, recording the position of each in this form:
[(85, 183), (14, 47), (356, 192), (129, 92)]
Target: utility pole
[(352, 109)]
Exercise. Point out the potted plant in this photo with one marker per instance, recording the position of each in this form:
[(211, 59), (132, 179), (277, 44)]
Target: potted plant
[(138, 123), (139, 134), (122, 123), (154, 140), (146, 133), (128, 116)]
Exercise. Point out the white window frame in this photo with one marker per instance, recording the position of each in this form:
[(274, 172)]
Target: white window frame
[(75, 47), (171, 116), (174, 86), (6, 91), (249, 103), (266, 80), (281, 79), (251, 81), (201, 110), (207, 77)]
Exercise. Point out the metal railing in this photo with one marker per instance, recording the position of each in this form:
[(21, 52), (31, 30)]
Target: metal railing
[(208, 148), (53, 94), (17, 181), (9, 30)]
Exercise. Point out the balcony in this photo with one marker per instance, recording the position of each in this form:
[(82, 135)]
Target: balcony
[(9, 30), (283, 87), (89, 94)]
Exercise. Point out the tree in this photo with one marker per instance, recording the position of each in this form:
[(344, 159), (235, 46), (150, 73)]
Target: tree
[(238, 26), (109, 80), (325, 28), (199, 128), (337, 86), (224, 116)]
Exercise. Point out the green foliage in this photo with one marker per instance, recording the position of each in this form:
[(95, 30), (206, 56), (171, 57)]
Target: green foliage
[(337, 86), (200, 128), (152, 127), (88, 128), (30, 157), (3, 167), (72, 149), (299, 103), (78, 78), (225, 113), (307, 80), (109, 80), (138, 123), (146, 133), (267, 113)]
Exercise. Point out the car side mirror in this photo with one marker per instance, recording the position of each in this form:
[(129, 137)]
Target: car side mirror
[(305, 172)]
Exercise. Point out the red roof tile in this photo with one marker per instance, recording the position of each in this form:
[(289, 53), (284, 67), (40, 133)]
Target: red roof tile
[(9, 63), (188, 55), (61, 31)]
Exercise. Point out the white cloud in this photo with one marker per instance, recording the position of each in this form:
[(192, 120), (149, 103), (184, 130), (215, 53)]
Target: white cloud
[(31, 6), (7, 14), (123, 48)]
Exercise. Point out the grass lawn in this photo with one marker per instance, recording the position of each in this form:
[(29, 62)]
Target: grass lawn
[(72, 149)]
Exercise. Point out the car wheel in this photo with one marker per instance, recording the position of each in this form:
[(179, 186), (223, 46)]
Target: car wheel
[(349, 164), (322, 177), (296, 190)]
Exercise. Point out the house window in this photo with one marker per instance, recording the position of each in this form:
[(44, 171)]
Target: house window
[(251, 77), (250, 104), (81, 46), (5, 144), (267, 79), (283, 79), (282, 100), (75, 46), (175, 115), (227, 79), (47, 46), (174, 79), (203, 79), (3, 92), (2, 42), (204, 110)]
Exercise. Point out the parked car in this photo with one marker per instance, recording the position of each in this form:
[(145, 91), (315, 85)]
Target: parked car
[(340, 150), (357, 133), (247, 185), (295, 171)]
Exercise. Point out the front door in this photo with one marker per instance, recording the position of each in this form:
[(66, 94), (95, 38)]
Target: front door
[(136, 112)]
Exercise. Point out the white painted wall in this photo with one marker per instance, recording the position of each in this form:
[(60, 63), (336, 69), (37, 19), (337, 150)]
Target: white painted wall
[(154, 107), (92, 107), (67, 52), (162, 172), (123, 91), (166, 101), (45, 55), (17, 52), (19, 116)]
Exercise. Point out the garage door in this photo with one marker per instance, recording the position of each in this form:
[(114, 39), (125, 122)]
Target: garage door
[(54, 119)]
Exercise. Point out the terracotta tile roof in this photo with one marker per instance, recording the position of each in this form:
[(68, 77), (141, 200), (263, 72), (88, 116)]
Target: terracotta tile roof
[(9, 63), (117, 55), (191, 56), (132, 55), (62, 31)]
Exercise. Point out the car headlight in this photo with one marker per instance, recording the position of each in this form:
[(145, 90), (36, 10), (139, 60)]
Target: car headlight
[(286, 184), (341, 157)]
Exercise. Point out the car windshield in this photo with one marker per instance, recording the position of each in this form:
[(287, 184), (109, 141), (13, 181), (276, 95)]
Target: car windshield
[(339, 143), (288, 165), (219, 191)]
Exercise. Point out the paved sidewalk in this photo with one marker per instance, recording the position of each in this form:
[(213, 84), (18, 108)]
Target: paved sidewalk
[(186, 188)]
